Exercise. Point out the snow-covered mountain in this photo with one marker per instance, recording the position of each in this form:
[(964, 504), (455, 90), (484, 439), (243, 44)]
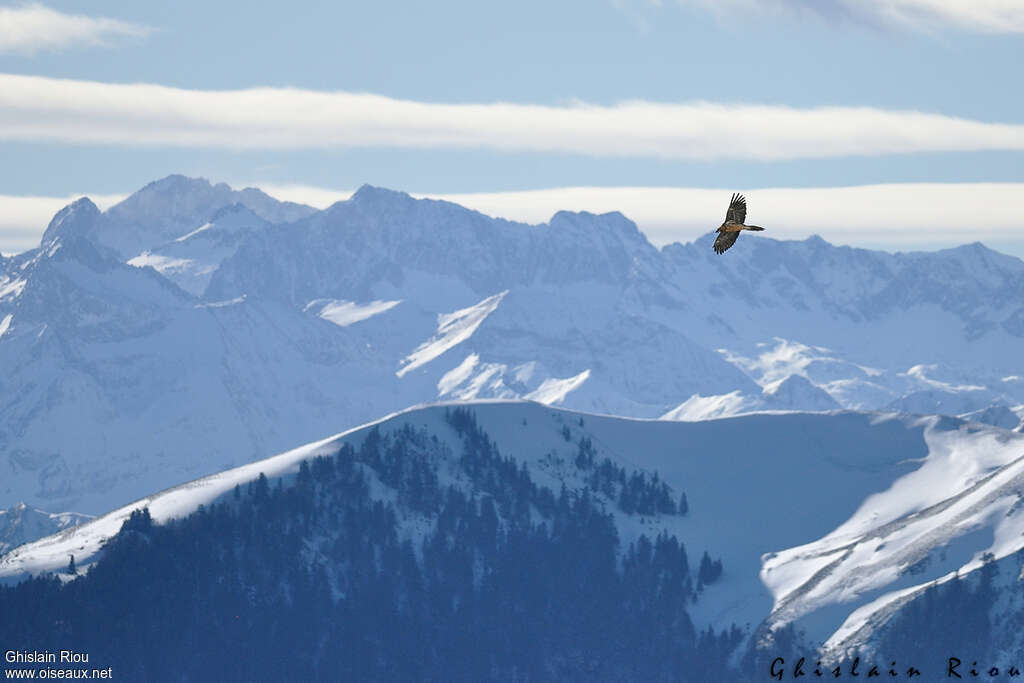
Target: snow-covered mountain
[(999, 416), (867, 327), (163, 211), (829, 522), (193, 327), (21, 524), (795, 392), (114, 378)]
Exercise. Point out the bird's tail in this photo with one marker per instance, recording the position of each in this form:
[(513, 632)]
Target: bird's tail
[(754, 227)]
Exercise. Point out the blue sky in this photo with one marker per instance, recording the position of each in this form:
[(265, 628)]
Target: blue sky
[(893, 124)]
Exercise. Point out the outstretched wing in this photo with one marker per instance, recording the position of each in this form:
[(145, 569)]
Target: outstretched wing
[(737, 212), (724, 241)]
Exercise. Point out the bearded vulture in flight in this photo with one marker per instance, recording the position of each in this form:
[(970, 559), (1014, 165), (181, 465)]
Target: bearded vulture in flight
[(730, 229)]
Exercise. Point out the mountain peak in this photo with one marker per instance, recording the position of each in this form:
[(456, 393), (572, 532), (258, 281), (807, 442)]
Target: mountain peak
[(613, 222), (979, 259), (798, 392), (370, 194), (77, 218), (178, 183), (174, 194), (175, 205)]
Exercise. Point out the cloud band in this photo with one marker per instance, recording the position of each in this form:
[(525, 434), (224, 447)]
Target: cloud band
[(34, 108)]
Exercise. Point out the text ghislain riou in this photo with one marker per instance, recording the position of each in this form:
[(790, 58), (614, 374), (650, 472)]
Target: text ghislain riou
[(45, 657), (953, 669)]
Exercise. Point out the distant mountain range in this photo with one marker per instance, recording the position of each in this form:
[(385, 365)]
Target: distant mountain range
[(193, 327)]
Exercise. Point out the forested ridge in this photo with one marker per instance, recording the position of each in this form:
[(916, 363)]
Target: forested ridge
[(315, 577)]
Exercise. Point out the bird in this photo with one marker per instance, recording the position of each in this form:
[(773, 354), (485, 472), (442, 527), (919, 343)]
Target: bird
[(730, 229)]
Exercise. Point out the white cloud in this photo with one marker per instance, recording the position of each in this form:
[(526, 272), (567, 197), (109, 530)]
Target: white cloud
[(33, 28), (983, 16), (34, 108), (893, 216)]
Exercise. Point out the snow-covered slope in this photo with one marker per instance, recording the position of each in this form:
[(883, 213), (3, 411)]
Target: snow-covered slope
[(819, 519), (697, 407), (191, 259), (452, 329), (956, 504), (345, 313)]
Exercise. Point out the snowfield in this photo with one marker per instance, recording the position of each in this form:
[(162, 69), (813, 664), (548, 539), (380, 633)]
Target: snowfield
[(452, 329), (345, 313)]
